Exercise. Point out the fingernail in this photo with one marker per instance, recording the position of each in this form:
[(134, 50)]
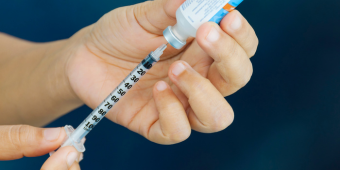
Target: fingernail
[(178, 69), (213, 35), (161, 86), (81, 157), (71, 158), (51, 134), (236, 23)]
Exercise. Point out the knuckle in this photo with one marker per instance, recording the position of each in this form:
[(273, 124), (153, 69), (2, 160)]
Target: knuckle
[(19, 135), (221, 123), (234, 76), (232, 48), (199, 88), (243, 82), (249, 74), (247, 32), (244, 79), (220, 126), (223, 87), (248, 39), (177, 136), (222, 117), (200, 85), (253, 47), (170, 105)]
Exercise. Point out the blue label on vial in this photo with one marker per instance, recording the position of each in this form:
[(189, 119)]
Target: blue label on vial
[(235, 3), (219, 16), (223, 12)]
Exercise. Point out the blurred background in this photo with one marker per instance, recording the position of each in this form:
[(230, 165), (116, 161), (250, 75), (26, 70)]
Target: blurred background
[(287, 117)]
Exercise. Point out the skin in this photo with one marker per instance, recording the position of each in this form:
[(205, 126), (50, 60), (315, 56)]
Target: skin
[(184, 91), (23, 140)]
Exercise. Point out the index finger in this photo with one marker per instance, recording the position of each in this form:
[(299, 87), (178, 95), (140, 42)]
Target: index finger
[(235, 25), (23, 140)]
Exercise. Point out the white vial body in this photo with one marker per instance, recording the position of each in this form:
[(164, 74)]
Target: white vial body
[(190, 16), (183, 29), (197, 12)]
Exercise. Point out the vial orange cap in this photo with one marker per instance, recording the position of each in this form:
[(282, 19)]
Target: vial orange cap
[(229, 8)]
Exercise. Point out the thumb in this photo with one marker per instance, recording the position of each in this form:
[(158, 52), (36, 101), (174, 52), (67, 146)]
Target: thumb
[(155, 16), (23, 140)]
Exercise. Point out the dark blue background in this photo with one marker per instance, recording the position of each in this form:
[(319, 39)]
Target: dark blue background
[(287, 117)]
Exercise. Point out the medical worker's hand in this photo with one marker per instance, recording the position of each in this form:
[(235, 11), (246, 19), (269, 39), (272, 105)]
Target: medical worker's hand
[(27, 141), (184, 91)]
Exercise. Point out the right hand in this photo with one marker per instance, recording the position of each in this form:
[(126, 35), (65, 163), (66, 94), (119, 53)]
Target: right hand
[(19, 141)]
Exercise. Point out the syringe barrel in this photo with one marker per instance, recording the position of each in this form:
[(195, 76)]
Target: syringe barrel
[(98, 114)]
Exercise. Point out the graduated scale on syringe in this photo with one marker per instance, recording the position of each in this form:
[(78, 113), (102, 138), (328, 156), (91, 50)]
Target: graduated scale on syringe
[(189, 19)]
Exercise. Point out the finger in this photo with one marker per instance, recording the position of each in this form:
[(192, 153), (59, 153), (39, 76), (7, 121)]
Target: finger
[(210, 111), (75, 166), (63, 159), (238, 27), (23, 140), (173, 124), (232, 68), (155, 16)]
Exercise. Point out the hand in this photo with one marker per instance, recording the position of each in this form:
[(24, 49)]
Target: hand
[(22, 140), (184, 91)]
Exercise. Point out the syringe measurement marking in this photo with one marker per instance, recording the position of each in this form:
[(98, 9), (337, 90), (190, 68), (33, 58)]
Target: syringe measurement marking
[(93, 119), (76, 137)]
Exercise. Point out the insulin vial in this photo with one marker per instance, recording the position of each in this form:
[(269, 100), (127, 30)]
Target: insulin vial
[(192, 14)]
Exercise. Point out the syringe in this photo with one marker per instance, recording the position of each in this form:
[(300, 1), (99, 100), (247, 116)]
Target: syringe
[(76, 137)]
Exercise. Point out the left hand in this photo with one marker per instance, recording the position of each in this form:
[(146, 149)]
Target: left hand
[(184, 91)]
